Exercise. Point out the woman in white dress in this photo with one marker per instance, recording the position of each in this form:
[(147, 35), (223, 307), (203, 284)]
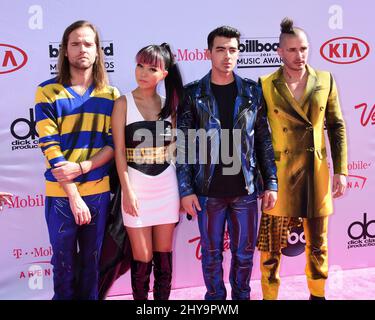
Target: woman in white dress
[(142, 123)]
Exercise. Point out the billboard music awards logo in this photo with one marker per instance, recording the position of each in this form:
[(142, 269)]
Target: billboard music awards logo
[(361, 232), (258, 53), (24, 132), (107, 47), (12, 58), (296, 242), (344, 50)]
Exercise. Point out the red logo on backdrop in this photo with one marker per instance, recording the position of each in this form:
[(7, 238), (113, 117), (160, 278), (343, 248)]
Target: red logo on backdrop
[(40, 264), (11, 58), (344, 50), (198, 254), (366, 117), (28, 201), (356, 182), (191, 54)]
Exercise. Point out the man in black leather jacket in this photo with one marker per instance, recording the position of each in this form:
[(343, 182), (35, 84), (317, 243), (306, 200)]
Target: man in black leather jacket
[(223, 139)]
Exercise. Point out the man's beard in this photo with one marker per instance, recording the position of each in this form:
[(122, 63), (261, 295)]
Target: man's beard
[(81, 66)]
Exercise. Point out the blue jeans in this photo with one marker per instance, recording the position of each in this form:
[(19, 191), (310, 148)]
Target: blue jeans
[(75, 276), (241, 216)]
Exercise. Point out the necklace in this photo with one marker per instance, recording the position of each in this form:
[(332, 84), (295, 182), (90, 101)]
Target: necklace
[(289, 79)]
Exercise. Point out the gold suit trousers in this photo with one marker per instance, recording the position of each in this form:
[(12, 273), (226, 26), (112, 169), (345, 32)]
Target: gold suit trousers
[(316, 270)]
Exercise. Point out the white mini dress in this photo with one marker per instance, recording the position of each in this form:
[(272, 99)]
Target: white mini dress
[(155, 185)]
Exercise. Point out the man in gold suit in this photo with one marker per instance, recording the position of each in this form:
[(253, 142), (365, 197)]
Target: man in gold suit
[(301, 102)]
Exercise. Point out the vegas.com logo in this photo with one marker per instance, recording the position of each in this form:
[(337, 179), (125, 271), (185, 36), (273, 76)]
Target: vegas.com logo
[(296, 242), (24, 132)]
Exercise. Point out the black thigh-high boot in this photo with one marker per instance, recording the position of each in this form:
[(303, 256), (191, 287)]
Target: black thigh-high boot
[(140, 279), (162, 275)]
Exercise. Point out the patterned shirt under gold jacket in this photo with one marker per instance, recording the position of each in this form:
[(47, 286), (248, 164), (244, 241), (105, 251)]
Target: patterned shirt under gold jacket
[(299, 142)]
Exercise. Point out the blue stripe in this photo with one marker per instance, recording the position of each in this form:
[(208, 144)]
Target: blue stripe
[(44, 111), (54, 137), (53, 161), (110, 141), (47, 82), (64, 107), (83, 140), (85, 96), (49, 146), (93, 175)]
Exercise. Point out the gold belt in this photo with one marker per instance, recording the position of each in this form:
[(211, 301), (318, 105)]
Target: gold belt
[(147, 155)]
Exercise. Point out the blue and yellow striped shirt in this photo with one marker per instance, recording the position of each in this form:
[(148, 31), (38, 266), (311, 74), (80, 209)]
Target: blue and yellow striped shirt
[(74, 128)]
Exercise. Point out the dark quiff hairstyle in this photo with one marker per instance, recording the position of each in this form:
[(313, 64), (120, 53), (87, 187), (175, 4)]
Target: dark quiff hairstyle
[(287, 28), (161, 56), (223, 31), (100, 77)]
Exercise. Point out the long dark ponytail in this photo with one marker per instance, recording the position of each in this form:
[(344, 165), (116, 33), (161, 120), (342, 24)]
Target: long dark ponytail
[(162, 57), (173, 84)]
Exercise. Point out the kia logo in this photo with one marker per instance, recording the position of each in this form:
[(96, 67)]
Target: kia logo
[(11, 58), (344, 50)]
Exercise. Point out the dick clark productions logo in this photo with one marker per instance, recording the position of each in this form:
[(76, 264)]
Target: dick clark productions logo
[(24, 132), (361, 233)]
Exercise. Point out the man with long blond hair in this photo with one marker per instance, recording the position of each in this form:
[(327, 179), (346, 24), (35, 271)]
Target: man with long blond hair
[(73, 114)]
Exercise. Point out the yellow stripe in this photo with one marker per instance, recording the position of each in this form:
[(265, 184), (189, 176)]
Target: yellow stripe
[(116, 93), (46, 144), (53, 152), (47, 127), (54, 189), (54, 91), (78, 155), (48, 166), (84, 122), (110, 93), (51, 92)]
